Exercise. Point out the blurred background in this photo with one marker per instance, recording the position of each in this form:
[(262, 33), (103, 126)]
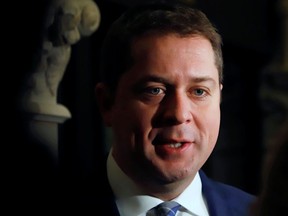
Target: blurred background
[(254, 100)]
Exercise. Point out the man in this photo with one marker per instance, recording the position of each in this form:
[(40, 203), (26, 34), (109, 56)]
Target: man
[(160, 93)]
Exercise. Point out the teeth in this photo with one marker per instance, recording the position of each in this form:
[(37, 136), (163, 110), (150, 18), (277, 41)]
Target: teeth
[(175, 145)]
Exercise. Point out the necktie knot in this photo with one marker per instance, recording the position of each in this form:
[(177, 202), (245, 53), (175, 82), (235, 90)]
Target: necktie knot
[(168, 208)]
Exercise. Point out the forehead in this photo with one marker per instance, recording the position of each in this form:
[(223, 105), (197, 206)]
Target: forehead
[(166, 54), (168, 50), (159, 46)]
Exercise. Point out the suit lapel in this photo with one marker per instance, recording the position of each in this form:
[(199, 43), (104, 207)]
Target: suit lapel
[(225, 200), (216, 202)]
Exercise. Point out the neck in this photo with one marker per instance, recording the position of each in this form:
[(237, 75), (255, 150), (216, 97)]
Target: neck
[(164, 191), (142, 184)]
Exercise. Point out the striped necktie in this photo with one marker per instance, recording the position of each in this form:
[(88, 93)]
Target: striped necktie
[(168, 208)]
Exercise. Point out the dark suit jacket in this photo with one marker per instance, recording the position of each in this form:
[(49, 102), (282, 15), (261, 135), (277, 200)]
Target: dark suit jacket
[(95, 197), (225, 200)]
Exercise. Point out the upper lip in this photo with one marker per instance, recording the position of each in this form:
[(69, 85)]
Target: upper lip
[(162, 140), (172, 135)]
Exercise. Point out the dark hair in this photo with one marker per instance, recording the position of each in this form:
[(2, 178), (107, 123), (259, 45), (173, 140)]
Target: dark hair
[(181, 20)]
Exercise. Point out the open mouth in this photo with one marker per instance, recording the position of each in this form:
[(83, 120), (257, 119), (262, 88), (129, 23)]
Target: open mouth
[(175, 145), (171, 148)]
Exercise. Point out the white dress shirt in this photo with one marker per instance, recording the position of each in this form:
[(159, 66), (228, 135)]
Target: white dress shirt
[(131, 201)]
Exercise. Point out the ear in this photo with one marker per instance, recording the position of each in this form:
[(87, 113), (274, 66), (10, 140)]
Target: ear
[(221, 87), (104, 100)]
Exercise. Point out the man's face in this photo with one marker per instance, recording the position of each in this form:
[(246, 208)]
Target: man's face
[(166, 113)]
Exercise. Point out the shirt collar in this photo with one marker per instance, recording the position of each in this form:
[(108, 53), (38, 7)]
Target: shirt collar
[(192, 199), (131, 200)]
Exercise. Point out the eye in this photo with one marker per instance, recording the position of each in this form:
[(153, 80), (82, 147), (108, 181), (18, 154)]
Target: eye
[(152, 94), (154, 91), (199, 92)]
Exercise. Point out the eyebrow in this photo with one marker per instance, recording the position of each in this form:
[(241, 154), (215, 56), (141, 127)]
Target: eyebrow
[(203, 79), (160, 79), (152, 78)]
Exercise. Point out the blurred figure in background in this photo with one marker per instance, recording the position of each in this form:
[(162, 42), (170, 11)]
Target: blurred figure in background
[(273, 199)]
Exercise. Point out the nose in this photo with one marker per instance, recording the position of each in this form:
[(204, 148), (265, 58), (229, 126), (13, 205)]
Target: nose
[(177, 109)]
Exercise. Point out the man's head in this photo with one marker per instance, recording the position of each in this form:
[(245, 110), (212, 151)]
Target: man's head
[(157, 19), (160, 94)]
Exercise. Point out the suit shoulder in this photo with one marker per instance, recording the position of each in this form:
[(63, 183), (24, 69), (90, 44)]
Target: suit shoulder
[(235, 200)]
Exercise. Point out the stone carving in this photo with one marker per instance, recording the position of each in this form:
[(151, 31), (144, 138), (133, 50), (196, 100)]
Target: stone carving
[(67, 21)]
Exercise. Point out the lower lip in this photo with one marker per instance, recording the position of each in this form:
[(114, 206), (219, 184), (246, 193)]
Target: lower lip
[(168, 150)]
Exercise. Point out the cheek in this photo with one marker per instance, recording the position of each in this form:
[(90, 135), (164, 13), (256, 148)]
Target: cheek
[(208, 123), (132, 118), (213, 124), (142, 123)]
